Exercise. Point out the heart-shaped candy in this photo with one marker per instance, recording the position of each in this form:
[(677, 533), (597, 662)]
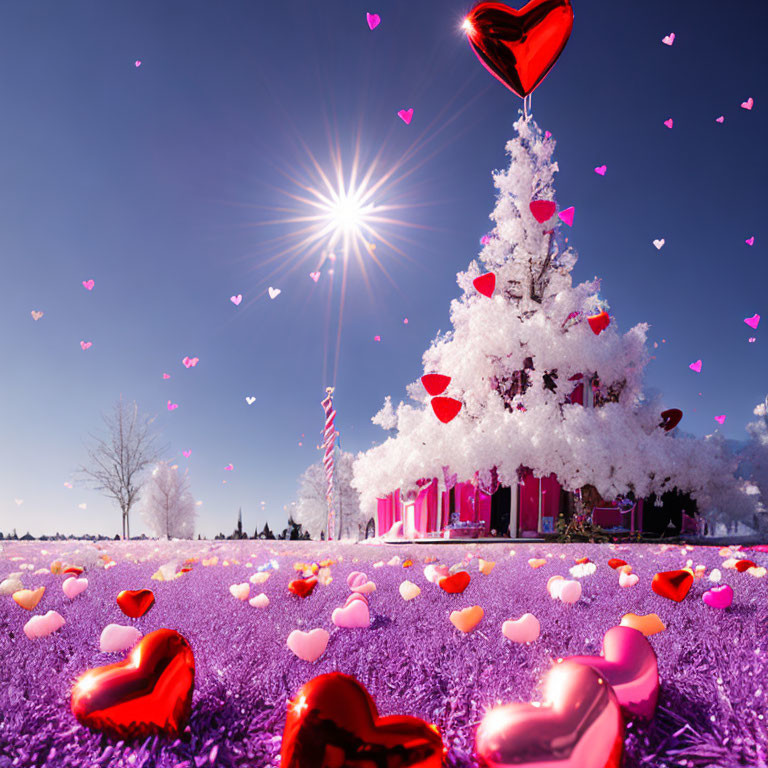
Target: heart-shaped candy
[(670, 418), (149, 692), (73, 586), (674, 585), (537, 562), (467, 619), (353, 615), (629, 664), (135, 602), (456, 583), (333, 721), (578, 725), (526, 629), (554, 583), (308, 646), (10, 585), (257, 578), (302, 587), (116, 637), (28, 598), (744, 565), (718, 597), (616, 562), (356, 596), (409, 590), (40, 626)]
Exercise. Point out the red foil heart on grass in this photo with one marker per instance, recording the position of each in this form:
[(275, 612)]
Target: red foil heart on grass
[(302, 587), (673, 585), (628, 663), (744, 565), (150, 691), (435, 383), (333, 721), (456, 583), (519, 47), (579, 725), (135, 602), (446, 408)]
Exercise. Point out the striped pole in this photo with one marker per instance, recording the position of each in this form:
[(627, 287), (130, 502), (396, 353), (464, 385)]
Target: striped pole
[(329, 438)]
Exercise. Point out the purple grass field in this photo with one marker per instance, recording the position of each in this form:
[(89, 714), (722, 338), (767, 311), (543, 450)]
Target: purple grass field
[(713, 664)]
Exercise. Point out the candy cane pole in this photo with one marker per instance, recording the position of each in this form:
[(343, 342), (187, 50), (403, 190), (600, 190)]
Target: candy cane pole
[(329, 437)]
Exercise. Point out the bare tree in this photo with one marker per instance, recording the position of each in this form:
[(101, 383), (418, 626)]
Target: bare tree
[(168, 507), (117, 461)]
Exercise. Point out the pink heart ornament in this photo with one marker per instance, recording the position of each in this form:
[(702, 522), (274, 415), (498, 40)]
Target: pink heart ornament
[(172, 406), (186, 454), (526, 629), (40, 626), (720, 119), (669, 39), (236, 299), (600, 170), (406, 115), (365, 589), (720, 419), (748, 104), (351, 616), (308, 646), (88, 285), (356, 596), (669, 122), (315, 276), (86, 345), (696, 366), (750, 240), (753, 321), (73, 586), (719, 597), (373, 20), (117, 637)]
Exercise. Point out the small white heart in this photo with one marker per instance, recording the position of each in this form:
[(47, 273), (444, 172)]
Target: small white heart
[(659, 244), (250, 400), (274, 292)]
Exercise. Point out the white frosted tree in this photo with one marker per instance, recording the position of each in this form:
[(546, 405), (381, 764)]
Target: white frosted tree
[(756, 457), (168, 507), (311, 509), (514, 360)]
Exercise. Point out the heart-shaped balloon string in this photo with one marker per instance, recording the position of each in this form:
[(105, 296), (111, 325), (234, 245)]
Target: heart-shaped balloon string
[(150, 691), (628, 663), (333, 721), (519, 47), (579, 725)]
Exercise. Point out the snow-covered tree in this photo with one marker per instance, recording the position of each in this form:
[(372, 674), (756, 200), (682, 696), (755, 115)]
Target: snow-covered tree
[(168, 507), (756, 458), (514, 360), (311, 509)]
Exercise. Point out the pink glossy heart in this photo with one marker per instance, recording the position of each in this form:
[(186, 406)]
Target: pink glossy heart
[(406, 115), (753, 321), (308, 646), (259, 601), (523, 630), (628, 663), (373, 20), (351, 616), (117, 637), (719, 597), (720, 419), (73, 586), (236, 299), (748, 104), (669, 123), (40, 626), (750, 241), (696, 366), (601, 169)]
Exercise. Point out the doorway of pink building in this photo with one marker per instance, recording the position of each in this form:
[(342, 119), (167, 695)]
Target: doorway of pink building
[(528, 505)]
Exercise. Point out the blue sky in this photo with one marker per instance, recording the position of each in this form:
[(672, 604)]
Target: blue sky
[(155, 181)]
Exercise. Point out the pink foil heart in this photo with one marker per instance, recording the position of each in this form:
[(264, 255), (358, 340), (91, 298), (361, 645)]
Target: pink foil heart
[(406, 115), (628, 663), (88, 285), (718, 597), (720, 419), (351, 616)]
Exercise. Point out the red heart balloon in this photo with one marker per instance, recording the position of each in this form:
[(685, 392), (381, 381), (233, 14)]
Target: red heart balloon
[(598, 323), (672, 584), (435, 383), (333, 721), (446, 408), (579, 725), (629, 664), (670, 418), (743, 565), (519, 47), (615, 563), (150, 691), (456, 583), (135, 602), (542, 210), (302, 587), (485, 284)]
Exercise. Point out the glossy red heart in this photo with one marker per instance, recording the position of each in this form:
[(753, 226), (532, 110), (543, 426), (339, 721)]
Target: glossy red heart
[(446, 408), (542, 210), (435, 383), (302, 587), (76, 569), (615, 563), (579, 725), (135, 602), (673, 585), (629, 664), (150, 691), (456, 583), (519, 47), (333, 721), (743, 565), (670, 418), (599, 322), (485, 284)]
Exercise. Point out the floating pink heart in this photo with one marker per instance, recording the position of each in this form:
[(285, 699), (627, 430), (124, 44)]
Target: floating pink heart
[(172, 406), (669, 122), (373, 20), (166, 376), (720, 419), (696, 366), (669, 39), (228, 468), (88, 285), (190, 362), (353, 615), (720, 119), (719, 597), (118, 637), (750, 240), (86, 344), (137, 63), (601, 169), (566, 216), (315, 276), (187, 454), (753, 321), (308, 646), (236, 299), (377, 338), (748, 104), (406, 115)]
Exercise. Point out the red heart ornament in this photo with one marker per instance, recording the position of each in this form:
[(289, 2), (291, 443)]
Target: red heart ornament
[(579, 725), (435, 383), (629, 664), (333, 721), (446, 408), (615, 563), (598, 323), (670, 419), (743, 565), (542, 210), (519, 47), (456, 583), (150, 691), (485, 284), (135, 602), (673, 585), (302, 587)]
